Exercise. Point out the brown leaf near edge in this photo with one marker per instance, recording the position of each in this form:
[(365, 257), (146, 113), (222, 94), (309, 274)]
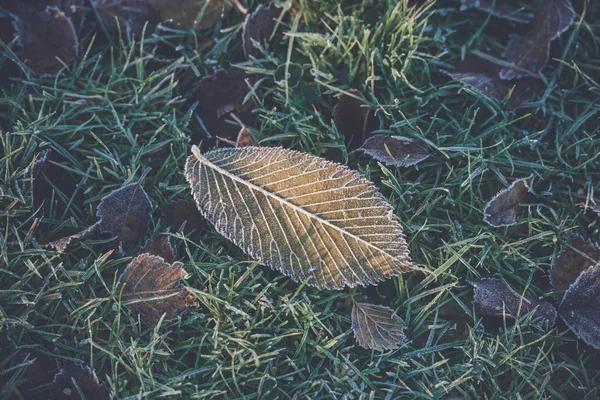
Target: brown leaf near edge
[(574, 258), (159, 246), (354, 119), (394, 150), (258, 27), (530, 52), (502, 209), (376, 327), (151, 287), (245, 138)]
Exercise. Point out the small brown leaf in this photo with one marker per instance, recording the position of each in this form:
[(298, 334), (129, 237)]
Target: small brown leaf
[(493, 298), (48, 40), (394, 150), (502, 209), (128, 16), (353, 118), (152, 288), (258, 28), (73, 380), (179, 212), (530, 52), (60, 245), (497, 8), (574, 258), (580, 308), (245, 138), (376, 327), (125, 212), (159, 246), (185, 13)]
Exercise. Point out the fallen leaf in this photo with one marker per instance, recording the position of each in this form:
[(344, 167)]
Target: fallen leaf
[(498, 8), (47, 39), (61, 245), (530, 52), (127, 16), (151, 287), (574, 258), (180, 212), (376, 327), (73, 381), (185, 13), (125, 213), (310, 219), (159, 246), (245, 138), (580, 308), (353, 119), (394, 150), (258, 28), (493, 298), (502, 209)]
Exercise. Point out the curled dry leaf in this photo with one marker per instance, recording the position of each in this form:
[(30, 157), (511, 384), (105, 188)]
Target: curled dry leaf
[(502, 209), (353, 118), (125, 212), (159, 246), (258, 28), (376, 327), (48, 40), (245, 138), (61, 245), (498, 8), (394, 150), (530, 52), (185, 13), (302, 215), (73, 380), (493, 298), (574, 258), (180, 212), (580, 308), (151, 287)]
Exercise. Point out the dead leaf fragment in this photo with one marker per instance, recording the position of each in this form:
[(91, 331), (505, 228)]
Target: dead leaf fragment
[(61, 245), (180, 212), (580, 308), (258, 28), (574, 258), (128, 16), (376, 327), (498, 8), (353, 118), (502, 209), (494, 298), (125, 212), (151, 287), (159, 246), (48, 40), (245, 138), (394, 150), (185, 13), (530, 52), (74, 379)]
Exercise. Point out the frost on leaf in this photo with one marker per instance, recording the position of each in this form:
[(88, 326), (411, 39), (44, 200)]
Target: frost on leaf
[(394, 150), (502, 209), (47, 39), (73, 381), (497, 8), (376, 327), (580, 308), (530, 52), (353, 118), (192, 14), (258, 28), (125, 213), (493, 298), (159, 246), (151, 287), (310, 219), (61, 245), (574, 258)]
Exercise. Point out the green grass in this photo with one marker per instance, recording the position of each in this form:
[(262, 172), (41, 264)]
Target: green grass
[(256, 334)]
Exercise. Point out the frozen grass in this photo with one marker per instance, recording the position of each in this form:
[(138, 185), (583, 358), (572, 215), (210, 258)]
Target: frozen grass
[(256, 334)]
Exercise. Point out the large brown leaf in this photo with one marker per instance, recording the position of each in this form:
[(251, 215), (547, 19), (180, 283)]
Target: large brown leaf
[(311, 219)]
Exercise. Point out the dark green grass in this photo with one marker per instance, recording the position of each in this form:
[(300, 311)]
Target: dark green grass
[(255, 333)]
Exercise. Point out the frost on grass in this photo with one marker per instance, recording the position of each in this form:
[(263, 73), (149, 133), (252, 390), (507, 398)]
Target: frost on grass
[(159, 246), (353, 118), (497, 8), (258, 28), (125, 213), (503, 208), (376, 327), (127, 16), (151, 288), (394, 150), (574, 258), (494, 298), (77, 382), (192, 14), (580, 308)]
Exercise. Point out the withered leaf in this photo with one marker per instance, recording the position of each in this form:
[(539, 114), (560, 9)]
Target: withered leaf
[(394, 150), (48, 40), (73, 381), (258, 28), (185, 13), (502, 209), (493, 298), (151, 287), (159, 246), (125, 212), (61, 245), (179, 212), (574, 258), (128, 16), (245, 138), (497, 8), (530, 52), (310, 219), (353, 118), (376, 327), (580, 308)]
